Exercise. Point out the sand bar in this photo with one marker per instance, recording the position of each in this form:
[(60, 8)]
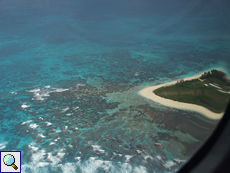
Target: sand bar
[(148, 93)]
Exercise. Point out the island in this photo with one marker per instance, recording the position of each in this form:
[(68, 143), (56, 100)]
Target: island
[(207, 93)]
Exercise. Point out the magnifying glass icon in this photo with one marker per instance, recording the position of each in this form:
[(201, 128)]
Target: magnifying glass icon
[(9, 160)]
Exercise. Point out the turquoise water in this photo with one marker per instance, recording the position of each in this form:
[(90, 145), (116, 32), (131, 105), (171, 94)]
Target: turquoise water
[(70, 73)]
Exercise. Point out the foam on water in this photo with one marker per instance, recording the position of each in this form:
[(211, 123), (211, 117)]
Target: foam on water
[(79, 85), (159, 158), (140, 169), (56, 139), (93, 164), (44, 92), (75, 108), (138, 151), (65, 109), (48, 123), (148, 157), (127, 167), (42, 164), (41, 135), (26, 122), (51, 143), (59, 90), (128, 157), (68, 167), (77, 158), (179, 160), (33, 148), (33, 126), (36, 90), (98, 148), (37, 156), (42, 160), (13, 92), (169, 164), (58, 131), (25, 106), (3, 145)]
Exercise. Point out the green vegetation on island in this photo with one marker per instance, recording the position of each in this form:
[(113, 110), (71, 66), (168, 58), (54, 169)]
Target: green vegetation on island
[(211, 90)]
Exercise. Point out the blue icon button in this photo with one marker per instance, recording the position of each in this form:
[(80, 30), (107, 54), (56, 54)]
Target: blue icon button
[(10, 161)]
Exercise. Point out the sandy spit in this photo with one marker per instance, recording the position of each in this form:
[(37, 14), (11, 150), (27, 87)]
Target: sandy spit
[(148, 93)]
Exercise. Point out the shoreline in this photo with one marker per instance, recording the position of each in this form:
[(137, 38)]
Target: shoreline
[(148, 93)]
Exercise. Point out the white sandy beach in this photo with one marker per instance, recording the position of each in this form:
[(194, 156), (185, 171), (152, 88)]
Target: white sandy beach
[(148, 93)]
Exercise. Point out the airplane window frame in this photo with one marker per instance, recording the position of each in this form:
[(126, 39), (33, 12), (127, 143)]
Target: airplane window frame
[(214, 155)]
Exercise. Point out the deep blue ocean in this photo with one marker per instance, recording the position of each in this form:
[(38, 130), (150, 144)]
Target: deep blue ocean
[(70, 73)]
